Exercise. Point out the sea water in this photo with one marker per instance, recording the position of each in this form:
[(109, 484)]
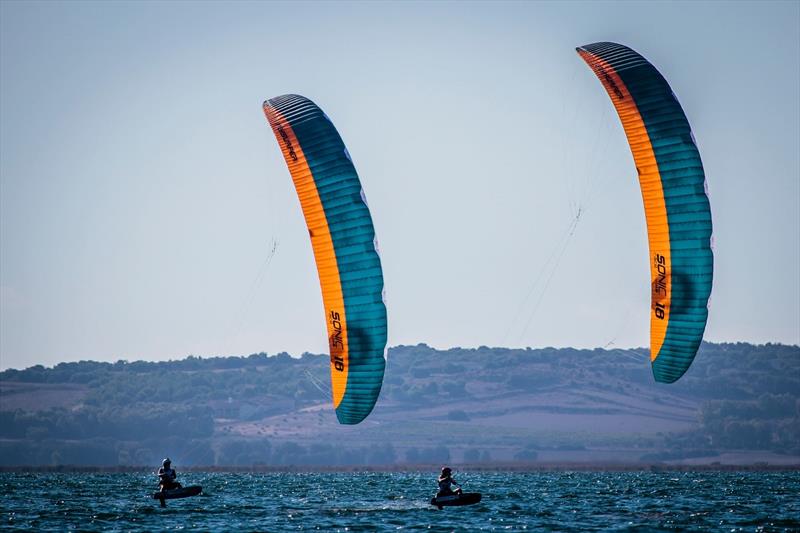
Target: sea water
[(564, 501)]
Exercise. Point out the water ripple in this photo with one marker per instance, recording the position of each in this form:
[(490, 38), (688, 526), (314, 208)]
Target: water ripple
[(568, 501)]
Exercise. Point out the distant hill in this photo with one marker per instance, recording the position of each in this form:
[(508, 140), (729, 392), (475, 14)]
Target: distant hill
[(738, 403)]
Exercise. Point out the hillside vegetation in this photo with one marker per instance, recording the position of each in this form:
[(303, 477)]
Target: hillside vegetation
[(457, 405)]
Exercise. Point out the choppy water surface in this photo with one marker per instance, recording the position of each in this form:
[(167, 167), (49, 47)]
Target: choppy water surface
[(741, 501)]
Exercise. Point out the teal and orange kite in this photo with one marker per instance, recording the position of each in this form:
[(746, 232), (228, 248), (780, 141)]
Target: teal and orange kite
[(675, 202), (345, 249)]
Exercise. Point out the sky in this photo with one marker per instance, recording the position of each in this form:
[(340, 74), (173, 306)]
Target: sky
[(146, 211)]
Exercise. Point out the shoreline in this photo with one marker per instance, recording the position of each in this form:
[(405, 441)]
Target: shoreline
[(495, 467)]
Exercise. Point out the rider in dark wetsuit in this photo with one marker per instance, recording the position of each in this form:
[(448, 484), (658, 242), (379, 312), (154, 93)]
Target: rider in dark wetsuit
[(445, 481), (167, 476)]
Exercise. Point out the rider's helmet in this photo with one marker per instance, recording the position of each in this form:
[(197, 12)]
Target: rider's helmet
[(166, 462), (446, 471)]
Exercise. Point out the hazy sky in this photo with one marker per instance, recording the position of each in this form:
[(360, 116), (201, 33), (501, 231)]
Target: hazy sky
[(142, 191)]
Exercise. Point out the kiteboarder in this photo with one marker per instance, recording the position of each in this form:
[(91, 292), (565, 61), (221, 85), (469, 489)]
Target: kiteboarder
[(167, 476), (445, 481)]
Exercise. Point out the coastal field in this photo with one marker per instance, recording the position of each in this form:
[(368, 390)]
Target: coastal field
[(738, 404)]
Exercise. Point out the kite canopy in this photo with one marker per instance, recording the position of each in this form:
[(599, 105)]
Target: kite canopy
[(675, 202), (345, 250)]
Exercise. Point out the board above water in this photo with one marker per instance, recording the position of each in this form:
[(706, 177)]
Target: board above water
[(183, 492), (454, 500)]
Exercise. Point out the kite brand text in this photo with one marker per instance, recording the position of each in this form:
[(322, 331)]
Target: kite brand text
[(660, 286), (336, 343), (287, 142), (611, 82)]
